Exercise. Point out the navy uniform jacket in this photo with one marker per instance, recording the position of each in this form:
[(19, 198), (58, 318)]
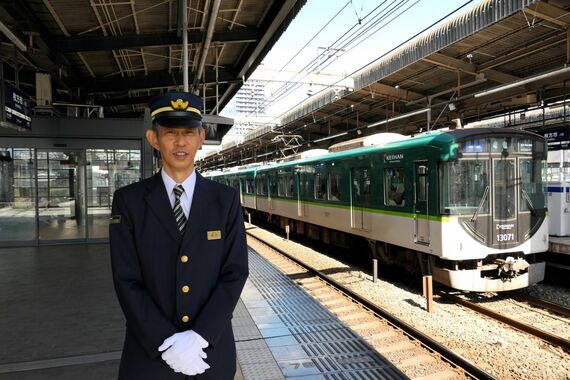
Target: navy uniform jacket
[(151, 263)]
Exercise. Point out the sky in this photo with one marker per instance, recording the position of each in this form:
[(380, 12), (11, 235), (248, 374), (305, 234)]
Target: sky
[(333, 51)]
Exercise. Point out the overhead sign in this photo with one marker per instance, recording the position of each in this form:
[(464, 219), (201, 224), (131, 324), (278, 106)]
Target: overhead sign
[(557, 138), (17, 107), (557, 134)]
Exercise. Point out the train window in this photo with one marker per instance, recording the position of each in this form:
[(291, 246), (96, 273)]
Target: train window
[(422, 183), (281, 186), (464, 187), (285, 185), (249, 189), (272, 184), (532, 196), (394, 187), (235, 184), (291, 187), (260, 185), (334, 186), (320, 186), (504, 187)]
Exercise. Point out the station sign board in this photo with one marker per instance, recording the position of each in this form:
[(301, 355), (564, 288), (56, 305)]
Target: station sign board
[(16, 107), (557, 138)]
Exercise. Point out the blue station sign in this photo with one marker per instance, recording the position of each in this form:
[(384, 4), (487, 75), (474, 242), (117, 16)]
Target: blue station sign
[(17, 107)]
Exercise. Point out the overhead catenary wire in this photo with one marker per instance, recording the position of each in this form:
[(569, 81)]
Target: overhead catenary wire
[(381, 56), (293, 84), (314, 36)]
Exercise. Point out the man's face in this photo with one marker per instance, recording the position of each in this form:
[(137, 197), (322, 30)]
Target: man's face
[(177, 146)]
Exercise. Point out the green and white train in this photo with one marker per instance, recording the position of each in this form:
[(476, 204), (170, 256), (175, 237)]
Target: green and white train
[(467, 206)]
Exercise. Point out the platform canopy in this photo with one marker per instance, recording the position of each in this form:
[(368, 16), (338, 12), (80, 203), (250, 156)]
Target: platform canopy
[(119, 53)]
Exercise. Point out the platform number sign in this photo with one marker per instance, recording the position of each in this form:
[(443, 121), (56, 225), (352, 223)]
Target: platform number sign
[(17, 107)]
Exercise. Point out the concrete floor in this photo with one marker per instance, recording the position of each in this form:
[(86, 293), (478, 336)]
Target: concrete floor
[(59, 317)]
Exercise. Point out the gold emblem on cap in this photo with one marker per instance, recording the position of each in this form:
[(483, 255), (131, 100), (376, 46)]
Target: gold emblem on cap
[(179, 104)]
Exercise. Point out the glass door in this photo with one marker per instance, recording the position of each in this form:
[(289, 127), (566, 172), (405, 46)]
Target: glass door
[(505, 192), (107, 171), (421, 212), (61, 195), (17, 195), (361, 219)]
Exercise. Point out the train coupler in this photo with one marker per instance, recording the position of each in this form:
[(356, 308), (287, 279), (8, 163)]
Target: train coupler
[(510, 267)]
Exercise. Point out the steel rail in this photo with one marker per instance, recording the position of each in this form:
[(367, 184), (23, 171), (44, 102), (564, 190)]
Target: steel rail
[(545, 336), (470, 369), (552, 307)]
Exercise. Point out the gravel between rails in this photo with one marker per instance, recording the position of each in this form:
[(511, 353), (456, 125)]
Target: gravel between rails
[(502, 351)]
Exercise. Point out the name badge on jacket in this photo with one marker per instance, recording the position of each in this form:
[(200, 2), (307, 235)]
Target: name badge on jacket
[(214, 235)]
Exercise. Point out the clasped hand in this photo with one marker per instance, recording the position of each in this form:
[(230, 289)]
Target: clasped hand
[(184, 352)]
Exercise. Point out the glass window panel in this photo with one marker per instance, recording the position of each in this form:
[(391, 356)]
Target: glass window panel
[(17, 195), (320, 186), (465, 186), (334, 181), (394, 187), (504, 187)]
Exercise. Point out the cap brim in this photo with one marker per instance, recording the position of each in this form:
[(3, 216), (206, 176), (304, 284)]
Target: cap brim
[(178, 120)]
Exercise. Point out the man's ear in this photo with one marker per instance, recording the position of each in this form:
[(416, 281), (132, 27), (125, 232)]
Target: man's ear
[(152, 138), (202, 136)]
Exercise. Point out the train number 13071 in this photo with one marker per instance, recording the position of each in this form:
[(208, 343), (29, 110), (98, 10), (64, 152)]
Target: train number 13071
[(505, 237)]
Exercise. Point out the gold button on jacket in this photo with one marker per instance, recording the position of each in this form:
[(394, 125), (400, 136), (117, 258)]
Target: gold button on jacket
[(185, 319), (184, 259), (185, 289)]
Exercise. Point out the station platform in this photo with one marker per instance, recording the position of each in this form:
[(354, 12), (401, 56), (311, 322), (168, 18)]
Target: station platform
[(60, 320), (559, 244)]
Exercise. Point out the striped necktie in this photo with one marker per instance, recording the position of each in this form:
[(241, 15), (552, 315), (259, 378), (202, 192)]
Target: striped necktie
[(178, 212)]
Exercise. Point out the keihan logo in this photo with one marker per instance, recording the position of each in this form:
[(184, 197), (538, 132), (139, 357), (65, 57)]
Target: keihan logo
[(392, 157), (179, 104)]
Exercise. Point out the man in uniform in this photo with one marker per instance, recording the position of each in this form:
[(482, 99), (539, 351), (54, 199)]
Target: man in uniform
[(179, 257)]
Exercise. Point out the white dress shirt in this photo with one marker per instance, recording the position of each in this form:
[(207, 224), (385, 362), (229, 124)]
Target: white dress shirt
[(186, 198)]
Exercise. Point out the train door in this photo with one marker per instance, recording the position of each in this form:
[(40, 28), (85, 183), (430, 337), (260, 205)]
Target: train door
[(360, 198), (272, 190), (505, 190), (421, 214), (298, 185)]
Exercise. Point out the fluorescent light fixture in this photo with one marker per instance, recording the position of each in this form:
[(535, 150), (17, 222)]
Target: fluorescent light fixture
[(12, 37), (522, 82), (403, 116), (331, 137)]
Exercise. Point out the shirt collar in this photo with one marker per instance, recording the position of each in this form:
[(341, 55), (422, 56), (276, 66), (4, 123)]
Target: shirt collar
[(169, 183)]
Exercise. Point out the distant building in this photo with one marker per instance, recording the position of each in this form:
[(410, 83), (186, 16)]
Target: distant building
[(245, 108)]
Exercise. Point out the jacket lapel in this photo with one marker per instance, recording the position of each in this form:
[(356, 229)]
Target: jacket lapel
[(158, 202), (198, 212)]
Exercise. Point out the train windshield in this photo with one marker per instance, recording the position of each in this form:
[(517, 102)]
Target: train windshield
[(464, 187), (502, 175)]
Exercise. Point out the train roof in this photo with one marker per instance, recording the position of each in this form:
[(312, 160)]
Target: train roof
[(437, 139)]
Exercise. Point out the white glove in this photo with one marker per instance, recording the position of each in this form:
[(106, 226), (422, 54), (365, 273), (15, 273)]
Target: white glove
[(183, 352)]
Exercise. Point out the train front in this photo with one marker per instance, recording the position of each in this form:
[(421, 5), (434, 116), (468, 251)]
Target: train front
[(493, 207)]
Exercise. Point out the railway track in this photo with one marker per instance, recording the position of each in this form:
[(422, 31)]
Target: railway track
[(544, 320), (412, 351)]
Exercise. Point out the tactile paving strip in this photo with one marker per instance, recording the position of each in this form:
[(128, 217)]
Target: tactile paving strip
[(305, 339)]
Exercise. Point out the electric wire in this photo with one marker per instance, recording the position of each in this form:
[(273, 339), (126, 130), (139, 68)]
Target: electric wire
[(293, 84), (376, 59)]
